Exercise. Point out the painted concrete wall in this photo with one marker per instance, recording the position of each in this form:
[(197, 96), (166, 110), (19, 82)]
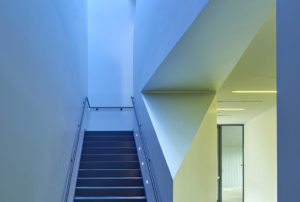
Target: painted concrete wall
[(110, 52), (158, 26), (196, 179), (261, 158), (288, 99), (201, 60), (111, 120), (43, 81), (176, 119)]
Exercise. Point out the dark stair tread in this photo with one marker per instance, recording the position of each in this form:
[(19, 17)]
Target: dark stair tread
[(112, 191), (110, 182), (108, 138), (110, 164), (109, 150), (109, 173), (109, 169), (109, 157), (111, 133), (124, 187), (109, 178), (89, 144), (110, 199)]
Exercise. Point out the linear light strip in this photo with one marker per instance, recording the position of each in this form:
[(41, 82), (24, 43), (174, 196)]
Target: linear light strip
[(255, 91), (230, 109)]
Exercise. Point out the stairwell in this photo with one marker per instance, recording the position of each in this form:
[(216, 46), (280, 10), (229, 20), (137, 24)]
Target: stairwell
[(109, 168)]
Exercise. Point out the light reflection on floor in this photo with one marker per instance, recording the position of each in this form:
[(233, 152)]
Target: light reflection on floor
[(232, 194)]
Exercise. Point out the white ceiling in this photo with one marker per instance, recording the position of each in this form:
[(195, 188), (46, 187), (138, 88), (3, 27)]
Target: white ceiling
[(256, 70)]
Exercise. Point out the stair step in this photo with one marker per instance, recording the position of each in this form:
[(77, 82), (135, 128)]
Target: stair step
[(108, 144), (108, 133), (109, 157), (110, 199), (109, 138), (109, 169), (111, 182), (110, 191), (109, 173), (109, 165), (109, 150)]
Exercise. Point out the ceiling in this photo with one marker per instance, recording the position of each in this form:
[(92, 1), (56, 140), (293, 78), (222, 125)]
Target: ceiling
[(256, 70)]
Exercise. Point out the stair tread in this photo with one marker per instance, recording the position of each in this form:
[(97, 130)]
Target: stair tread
[(125, 187), (108, 169), (110, 161), (108, 178), (110, 154), (114, 147), (110, 197), (89, 141)]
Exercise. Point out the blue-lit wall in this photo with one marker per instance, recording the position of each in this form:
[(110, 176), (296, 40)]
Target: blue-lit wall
[(288, 99), (158, 26), (110, 63), (110, 52), (43, 81)]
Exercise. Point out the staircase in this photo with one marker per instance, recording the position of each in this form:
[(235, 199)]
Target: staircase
[(109, 169)]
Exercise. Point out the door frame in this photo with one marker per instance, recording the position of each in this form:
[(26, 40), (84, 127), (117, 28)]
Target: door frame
[(219, 126)]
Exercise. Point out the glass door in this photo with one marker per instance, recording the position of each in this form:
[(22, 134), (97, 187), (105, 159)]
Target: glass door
[(231, 163)]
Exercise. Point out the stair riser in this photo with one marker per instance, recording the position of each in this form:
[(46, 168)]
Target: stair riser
[(109, 173), (105, 138), (110, 192), (109, 133), (109, 182), (109, 165), (96, 157), (110, 200), (105, 150), (109, 144), (109, 169)]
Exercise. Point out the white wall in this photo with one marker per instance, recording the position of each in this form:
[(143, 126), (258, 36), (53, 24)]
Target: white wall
[(196, 179), (261, 158), (111, 120), (43, 80), (110, 52)]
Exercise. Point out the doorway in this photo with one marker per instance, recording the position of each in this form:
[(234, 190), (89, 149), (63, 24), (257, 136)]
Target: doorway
[(231, 163)]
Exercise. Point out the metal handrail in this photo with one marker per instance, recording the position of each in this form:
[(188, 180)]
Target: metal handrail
[(146, 153), (109, 107), (73, 155)]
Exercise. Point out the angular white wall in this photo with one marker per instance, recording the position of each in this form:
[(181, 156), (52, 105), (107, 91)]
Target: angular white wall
[(196, 178), (176, 119), (261, 158), (43, 81), (158, 26)]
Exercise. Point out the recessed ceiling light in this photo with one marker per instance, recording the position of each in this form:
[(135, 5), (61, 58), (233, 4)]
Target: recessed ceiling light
[(243, 101), (263, 77), (255, 91), (230, 109)]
